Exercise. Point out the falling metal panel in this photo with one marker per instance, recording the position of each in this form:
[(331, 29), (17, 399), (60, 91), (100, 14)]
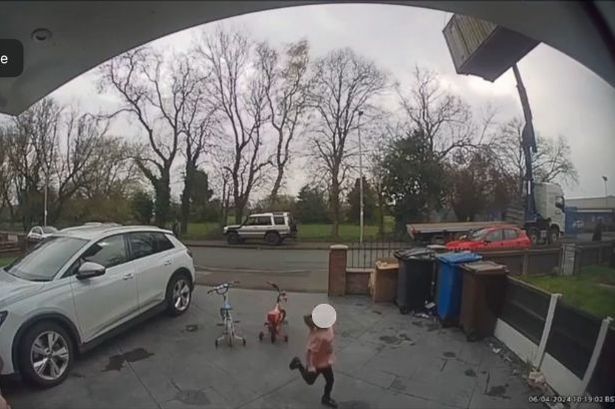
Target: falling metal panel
[(481, 48)]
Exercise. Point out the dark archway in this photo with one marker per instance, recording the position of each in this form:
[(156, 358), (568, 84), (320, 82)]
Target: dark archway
[(85, 34)]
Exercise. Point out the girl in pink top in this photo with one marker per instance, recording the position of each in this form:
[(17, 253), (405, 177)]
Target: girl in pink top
[(3, 403), (319, 356)]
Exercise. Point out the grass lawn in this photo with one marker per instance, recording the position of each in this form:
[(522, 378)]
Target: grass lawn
[(203, 231), (347, 232), (5, 260), (307, 232), (584, 290)]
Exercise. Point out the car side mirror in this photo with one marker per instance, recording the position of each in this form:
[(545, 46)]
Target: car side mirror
[(560, 203), (90, 270), (486, 241)]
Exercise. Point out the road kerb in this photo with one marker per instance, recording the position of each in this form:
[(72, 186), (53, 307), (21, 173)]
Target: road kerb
[(256, 246)]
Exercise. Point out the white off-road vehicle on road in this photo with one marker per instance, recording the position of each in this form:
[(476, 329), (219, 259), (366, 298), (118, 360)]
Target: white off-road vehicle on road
[(272, 227)]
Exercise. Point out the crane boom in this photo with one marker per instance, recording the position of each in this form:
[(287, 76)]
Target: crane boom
[(528, 144)]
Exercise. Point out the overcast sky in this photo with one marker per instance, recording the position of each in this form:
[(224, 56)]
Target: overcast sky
[(566, 98)]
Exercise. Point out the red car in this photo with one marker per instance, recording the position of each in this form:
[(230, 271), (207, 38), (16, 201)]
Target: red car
[(496, 237)]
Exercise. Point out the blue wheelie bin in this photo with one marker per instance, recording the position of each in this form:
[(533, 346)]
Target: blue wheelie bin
[(448, 298)]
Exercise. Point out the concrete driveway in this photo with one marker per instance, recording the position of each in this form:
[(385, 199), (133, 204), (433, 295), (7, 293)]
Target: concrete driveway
[(385, 360)]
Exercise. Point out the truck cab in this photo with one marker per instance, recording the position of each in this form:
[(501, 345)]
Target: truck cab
[(550, 221)]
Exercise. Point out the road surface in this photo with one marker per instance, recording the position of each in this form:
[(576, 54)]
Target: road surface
[(293, 270)]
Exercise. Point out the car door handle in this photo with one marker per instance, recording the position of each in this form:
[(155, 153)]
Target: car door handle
[(128, 276), (167, 263)]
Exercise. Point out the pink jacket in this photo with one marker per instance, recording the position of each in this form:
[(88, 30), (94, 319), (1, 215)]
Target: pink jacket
[(320, 345)]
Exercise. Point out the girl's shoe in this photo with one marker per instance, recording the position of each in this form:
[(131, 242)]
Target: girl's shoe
[(327, 401), (295, 363)]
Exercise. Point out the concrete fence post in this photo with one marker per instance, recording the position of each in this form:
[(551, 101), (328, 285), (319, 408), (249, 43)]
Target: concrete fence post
[(526, 261), (593, 361), (546, 330), (337, 269)]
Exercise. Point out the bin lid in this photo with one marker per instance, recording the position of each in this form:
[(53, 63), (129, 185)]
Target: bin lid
[(459, 257), (415, 253), (485, 267)]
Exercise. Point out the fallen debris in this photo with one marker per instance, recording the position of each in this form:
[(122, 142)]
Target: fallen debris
[(536, 380)]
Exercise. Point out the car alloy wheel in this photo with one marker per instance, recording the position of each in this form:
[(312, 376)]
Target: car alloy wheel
[(49, 355), (181, 295)]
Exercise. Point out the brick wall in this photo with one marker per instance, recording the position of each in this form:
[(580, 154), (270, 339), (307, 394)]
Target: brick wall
[(357, 281), (337, 269)]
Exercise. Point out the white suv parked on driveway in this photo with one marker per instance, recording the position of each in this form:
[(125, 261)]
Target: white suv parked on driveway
[(77, 288)]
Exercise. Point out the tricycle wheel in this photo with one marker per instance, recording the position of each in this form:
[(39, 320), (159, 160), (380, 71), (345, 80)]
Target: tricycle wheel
[(244, 342), (261, 336), (285, 338), (272, 337), (216, 343)]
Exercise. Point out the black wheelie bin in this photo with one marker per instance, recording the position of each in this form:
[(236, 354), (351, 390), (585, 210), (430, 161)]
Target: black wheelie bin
[(415, 278)]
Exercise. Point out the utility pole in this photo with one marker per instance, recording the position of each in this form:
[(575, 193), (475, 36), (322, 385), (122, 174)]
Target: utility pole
[(606, 196), (360, 180), (46, 189)]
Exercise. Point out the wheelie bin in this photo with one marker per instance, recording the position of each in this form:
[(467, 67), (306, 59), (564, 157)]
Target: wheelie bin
[(448, 298), (415, 278), (484, 286)]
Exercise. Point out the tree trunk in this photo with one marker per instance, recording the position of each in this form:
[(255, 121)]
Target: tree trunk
[(185, 207), (224, 205), (163, 198), (380, 214), (335, 208), (273, 198), (239, 207)]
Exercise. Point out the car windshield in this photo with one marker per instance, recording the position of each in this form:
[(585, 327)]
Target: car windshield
[(49, 229), (478, 235), (45, 260)]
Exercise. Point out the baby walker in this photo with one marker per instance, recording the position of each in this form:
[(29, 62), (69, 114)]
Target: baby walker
[(227, 319), (276, 318)]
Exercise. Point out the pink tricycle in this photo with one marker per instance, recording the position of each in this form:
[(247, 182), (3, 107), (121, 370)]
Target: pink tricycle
[(276, 318)]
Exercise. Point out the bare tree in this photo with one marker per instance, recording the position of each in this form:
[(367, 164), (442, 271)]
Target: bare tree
[(112, 171), (377, 177), (344, 84), (443, 118), (238, 88), (71, 170), (6, 173), (137, 77), (31, 142), (551, 162), (286, 88), (51, 148), (199, 123), (221, 183)]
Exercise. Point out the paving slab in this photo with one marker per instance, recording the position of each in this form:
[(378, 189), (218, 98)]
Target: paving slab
[(384, 360)]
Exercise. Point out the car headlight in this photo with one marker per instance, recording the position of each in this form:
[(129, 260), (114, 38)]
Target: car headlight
[(3, 315)]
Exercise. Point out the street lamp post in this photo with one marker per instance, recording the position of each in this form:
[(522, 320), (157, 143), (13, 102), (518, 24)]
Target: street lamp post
[(360, 180), (46, 190), (606, 196)]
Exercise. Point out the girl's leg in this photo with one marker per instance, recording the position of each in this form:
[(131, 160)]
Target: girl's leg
[(328, 374), (308, 377)]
